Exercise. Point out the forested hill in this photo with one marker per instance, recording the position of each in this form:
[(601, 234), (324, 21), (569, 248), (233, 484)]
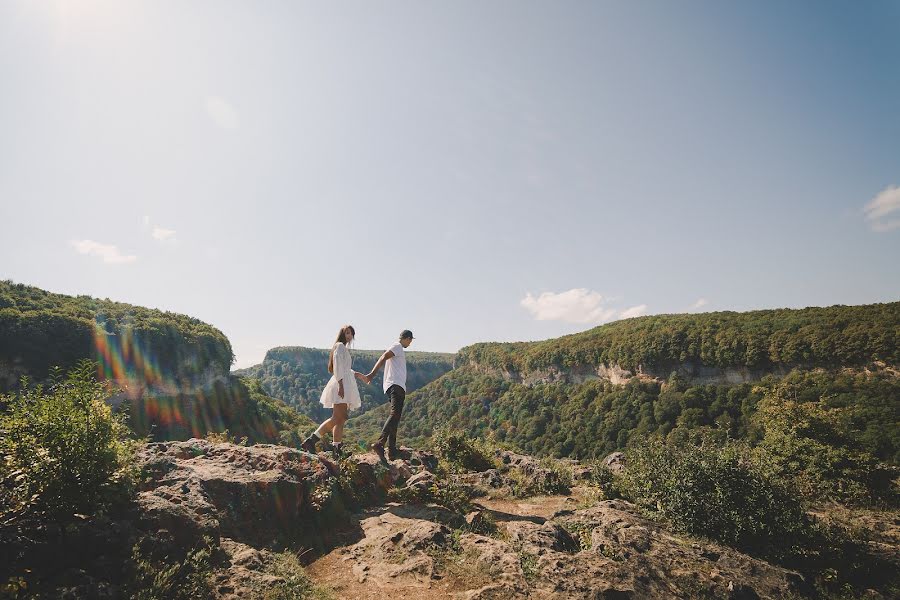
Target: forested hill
[(163, 350), (838, 364), (297, 375), (761, 341)]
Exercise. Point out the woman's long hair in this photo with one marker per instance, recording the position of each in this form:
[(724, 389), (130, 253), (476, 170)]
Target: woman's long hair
[(342, 338)]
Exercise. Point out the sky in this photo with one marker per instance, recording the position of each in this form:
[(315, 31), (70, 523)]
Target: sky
[(472, 171)]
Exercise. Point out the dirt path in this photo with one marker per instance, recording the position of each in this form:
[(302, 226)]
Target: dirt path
[(353, 574)]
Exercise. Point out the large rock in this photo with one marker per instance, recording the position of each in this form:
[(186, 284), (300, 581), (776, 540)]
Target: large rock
[(199, 488), (636, 554), (615, 462), (398, 547)]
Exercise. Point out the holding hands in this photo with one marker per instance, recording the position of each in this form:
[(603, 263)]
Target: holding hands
[(364, 378)]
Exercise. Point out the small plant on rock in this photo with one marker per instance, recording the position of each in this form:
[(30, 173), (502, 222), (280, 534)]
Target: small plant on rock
[(155, 575), (462, 453)]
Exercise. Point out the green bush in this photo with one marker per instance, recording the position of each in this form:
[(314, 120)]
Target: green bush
[(461, 452), (717, 492), (814, 447), (63, 449), (154, 575), (451, 495), (606, 480)]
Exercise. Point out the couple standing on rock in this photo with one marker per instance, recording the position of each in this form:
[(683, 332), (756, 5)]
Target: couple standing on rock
[(342, 395)]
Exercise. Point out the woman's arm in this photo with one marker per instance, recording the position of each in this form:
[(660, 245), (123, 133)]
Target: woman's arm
[(341, 366)]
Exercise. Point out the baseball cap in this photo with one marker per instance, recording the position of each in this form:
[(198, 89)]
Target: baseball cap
[(406, 333)]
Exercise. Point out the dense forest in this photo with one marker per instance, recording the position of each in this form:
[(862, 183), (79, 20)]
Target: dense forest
[(298, 375), (40, 330), (592, 419), (840, 361), (762, 340)]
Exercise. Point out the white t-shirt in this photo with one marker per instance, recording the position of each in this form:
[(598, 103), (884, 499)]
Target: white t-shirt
[(395, 368)]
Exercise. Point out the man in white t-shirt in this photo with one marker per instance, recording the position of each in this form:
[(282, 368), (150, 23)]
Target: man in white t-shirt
[(394, 361)]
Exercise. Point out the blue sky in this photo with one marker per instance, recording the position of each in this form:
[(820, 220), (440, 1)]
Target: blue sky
[(469, 170)]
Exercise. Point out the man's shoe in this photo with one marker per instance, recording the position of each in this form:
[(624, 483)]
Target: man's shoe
[(393, 453), (378, 447)]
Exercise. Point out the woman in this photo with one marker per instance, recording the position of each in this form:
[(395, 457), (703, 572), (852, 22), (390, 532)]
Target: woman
[(340, 394)]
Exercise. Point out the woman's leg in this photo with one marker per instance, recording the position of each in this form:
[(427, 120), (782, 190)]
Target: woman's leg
[(339, 417), (328, 424)]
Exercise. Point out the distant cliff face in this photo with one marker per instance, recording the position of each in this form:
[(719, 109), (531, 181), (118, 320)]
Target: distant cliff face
[(615, 374)]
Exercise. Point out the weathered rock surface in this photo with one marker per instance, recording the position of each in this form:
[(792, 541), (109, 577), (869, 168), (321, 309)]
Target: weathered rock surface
[(199, 488)]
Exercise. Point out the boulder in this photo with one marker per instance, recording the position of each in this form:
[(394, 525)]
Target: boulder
[(615, 462), (198, 488)]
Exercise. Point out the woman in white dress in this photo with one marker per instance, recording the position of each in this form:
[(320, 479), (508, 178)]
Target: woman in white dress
[(340, 394)]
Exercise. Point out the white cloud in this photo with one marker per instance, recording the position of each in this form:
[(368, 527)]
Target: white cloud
[(163, 235), (634, 311), (222, 113), (574, 306), (700, 303), (109, 253), (884, 204)]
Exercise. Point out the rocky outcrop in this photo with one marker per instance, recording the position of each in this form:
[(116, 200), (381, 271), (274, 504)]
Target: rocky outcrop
[(250, 503), (199, 488), (607, 551)]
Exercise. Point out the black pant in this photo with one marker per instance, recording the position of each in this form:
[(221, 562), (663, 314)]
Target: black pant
[(389, 433)]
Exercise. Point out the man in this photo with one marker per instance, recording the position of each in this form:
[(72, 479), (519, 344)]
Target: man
[(394, 362)]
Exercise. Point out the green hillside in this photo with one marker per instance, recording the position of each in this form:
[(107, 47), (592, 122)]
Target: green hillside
[(298, 375), (841, 359), (40, 330), (176, 367), (763, 339)]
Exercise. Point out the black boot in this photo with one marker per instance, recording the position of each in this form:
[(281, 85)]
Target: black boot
[(378, 447), (309, 444), (336, 451)]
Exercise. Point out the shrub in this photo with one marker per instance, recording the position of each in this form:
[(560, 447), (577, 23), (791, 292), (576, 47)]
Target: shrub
[(62, 448), (461, 452), (717, 492), (606, 480), (153, 574), (814, 447), (452, 496), (448, 493)]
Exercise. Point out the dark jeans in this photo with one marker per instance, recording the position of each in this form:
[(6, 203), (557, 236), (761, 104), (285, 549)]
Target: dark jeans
[(389, 433)]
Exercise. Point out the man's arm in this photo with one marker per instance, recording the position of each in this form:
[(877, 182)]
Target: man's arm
[(384, 358)]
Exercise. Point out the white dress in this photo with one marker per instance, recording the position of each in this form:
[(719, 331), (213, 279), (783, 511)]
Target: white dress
[(342, 370)]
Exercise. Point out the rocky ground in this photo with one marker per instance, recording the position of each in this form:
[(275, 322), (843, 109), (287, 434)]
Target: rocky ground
[(261, 511)]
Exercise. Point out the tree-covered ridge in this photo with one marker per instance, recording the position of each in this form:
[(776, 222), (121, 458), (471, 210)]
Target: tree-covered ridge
[(297, 375), (836, 335), (40, 330)]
